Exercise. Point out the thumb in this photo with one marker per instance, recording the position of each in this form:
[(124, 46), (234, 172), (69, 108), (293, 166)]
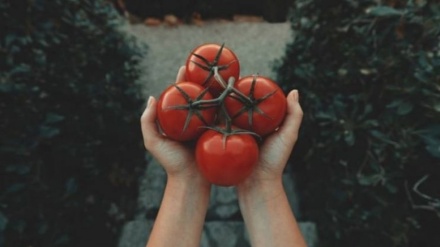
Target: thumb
[(148, 124), (290, 128)]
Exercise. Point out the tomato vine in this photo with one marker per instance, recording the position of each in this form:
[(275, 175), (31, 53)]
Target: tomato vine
[(209, 107)]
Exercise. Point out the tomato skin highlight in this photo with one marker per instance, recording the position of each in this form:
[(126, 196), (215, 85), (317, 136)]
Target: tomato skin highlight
[(229, 163), (273, 107), (172, 121), (199, 75)]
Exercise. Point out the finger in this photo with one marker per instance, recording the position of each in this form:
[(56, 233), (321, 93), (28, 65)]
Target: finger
[(294, 114), (181, 74), (148, 123)]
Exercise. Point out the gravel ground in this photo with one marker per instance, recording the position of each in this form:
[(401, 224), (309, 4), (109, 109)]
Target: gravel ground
[(257, 46)]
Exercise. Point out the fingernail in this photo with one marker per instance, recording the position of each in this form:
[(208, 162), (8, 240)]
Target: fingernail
[(295, 95), (150, 99)]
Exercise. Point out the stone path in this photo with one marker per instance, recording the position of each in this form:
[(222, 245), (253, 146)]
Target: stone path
[(257, 46)]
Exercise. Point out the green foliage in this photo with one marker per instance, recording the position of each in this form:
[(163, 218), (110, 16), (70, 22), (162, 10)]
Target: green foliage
[(369, 83), (70, 146)]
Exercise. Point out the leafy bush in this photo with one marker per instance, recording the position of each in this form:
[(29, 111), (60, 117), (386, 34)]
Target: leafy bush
[(71, 149), (369, 81)]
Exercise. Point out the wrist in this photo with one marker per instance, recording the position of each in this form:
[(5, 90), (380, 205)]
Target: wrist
[(184, 203), (259, 190), (267, 214), (192, 182)]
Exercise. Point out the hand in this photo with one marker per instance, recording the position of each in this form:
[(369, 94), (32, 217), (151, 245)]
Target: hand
[(176, 158), (276, 148), (262, 198), (186, 196)]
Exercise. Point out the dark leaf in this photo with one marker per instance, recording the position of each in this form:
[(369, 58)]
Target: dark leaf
[(391, 188), (9, 39), (394, 103), (42, 228), (349, 137), (384, 11), (20, 169), (71, 186), (365, 181), (62, 240), (48, 132), (53, 118), (405, 108), (431, 130), (15, 188), (369, 180), (18, 225), (378, 134), (3, 221), (434, 149), (436, 106)]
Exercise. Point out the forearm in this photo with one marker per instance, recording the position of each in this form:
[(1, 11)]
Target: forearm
[(181, 214), (268, 216)]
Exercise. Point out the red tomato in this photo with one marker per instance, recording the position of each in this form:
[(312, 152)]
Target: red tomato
[(202, 60), (226, 160), (177, 120), (267, 108)]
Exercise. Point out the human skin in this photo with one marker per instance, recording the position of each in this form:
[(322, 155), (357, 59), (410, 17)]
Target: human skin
[(262, 199), (182, 212)]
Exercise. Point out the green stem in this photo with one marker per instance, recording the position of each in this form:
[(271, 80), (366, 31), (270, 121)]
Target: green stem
[(242, 96), (227, 119), (219, 78), (217, 101)]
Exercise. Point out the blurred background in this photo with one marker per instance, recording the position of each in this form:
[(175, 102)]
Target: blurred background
[(74, 75)]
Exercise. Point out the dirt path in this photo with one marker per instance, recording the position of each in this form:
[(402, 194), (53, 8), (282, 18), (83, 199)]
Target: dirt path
[(257, 46)]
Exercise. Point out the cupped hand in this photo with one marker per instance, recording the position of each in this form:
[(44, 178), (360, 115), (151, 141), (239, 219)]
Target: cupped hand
[(176, 158), (276, 148)]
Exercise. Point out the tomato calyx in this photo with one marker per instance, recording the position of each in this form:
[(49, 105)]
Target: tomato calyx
[(250, 104), (192, 106), (212, 67), (227, 129), (229, 87), (219, 100)]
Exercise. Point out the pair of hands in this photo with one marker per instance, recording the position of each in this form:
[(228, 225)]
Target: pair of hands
[(178, 159)]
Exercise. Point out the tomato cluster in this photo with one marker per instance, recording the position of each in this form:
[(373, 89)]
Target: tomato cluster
[(226, 115)]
